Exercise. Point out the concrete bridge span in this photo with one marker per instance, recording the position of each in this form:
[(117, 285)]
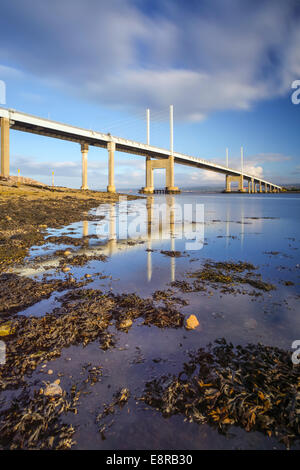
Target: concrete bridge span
[(155, 157)]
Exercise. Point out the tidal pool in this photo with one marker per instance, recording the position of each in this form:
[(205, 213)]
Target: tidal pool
[(263, 230)]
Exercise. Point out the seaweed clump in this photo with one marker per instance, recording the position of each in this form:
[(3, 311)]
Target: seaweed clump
[(34, 422), (172, 253), (81, 260), (255, 387), (227, 274), (84, 317), (20, 292), (121, 397)]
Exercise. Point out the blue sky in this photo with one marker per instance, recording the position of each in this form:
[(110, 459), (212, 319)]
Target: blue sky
[(227, 66)]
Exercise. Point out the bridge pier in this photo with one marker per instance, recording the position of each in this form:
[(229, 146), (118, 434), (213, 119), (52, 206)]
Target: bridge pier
[(260, 187), (151, 165), (4, 147), (149, 187), (170, 177), (230, 179), (251, 184), (84, 153), (111, 147)]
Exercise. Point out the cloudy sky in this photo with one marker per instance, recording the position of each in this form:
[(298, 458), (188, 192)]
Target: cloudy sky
[(227, 66)]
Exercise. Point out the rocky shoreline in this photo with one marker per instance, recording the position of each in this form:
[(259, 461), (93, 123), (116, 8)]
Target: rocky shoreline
[(255, 388)]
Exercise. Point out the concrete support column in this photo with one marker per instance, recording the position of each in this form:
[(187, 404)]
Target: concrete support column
[(249, 186), (147, 176), (266, 188), (255, 188), (149, 188), (84, 152), (170, 175), (4, 147), (260, 187), (111, 147), (241, 183), (228, 184)]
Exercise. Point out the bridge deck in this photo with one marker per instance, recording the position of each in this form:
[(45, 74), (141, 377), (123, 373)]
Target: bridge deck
[(36, 125)]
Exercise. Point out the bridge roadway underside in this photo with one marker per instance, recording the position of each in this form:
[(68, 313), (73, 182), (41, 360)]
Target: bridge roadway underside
[(155, 157)]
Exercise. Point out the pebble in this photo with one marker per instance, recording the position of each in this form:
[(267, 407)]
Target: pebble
[(53, 389), (192, 322), (124, 324)]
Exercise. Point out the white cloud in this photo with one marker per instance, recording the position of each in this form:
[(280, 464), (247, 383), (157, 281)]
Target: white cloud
[(70, 170), (254, 170), (214, 55)]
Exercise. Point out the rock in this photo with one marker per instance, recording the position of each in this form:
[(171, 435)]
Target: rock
[(53, 389), (66, 269), (67, 253), (43, 226), (6, 329), (192, 322), (124, 324), (87, 276), (50, 372)]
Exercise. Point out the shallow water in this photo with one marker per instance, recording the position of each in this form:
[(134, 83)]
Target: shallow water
[(261, 229)]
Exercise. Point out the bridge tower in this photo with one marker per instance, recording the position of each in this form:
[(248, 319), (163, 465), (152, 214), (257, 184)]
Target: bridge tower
[(167, 164)]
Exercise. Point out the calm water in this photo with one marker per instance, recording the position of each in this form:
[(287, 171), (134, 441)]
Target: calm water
[(261, 229)]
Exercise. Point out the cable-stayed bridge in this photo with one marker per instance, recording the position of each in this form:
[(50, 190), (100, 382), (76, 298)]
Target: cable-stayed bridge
[(155, 157)]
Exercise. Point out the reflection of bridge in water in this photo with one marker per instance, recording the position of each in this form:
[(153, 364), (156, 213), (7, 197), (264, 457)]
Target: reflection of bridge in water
[(159, 226), (155, 229)]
